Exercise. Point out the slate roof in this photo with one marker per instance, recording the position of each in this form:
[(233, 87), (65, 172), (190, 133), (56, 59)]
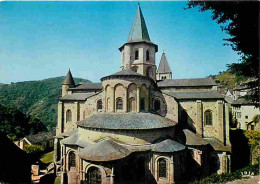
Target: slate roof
[(164, 66), (40, 137), (192, 139), (88, 86), (69, 79), (218, 146), (167, 145), (126, 121), (66, 134), (187, 82), (77, 96), (126, 72), (139, 30), (105, 150), (195, 95), (243, 101)]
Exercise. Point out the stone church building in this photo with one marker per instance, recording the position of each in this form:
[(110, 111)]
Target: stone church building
[(139, 125)]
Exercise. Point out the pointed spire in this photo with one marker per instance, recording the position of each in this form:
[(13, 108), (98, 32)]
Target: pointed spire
[(69, 79), (139, 30), (163, 66)]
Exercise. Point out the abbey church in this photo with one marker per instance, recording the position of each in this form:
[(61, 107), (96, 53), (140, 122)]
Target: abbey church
[(139, 125)]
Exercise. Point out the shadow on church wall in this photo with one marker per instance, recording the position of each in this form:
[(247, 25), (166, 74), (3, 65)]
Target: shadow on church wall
[(240, 150)]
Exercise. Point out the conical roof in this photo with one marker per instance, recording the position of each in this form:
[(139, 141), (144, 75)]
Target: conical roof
[(164, 66), (139, 30), (69, 79)]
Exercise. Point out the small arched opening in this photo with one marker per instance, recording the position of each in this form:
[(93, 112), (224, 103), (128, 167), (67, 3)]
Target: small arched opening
[(136, 55), (72, 160), (162, 168), (208, 117), (99, 104), (68, 115), (142, 104), (119, 104), (157, 105), (147, 55), (93, 176)]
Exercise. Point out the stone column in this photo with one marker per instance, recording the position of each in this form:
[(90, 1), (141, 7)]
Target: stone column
[(138, 99), (220, 120), (113, 99), (127, 56), (171, 171), (60, 127), (64, 158), (199, 123), (55, 150), (125, 103), (112, 176), (227, 141)]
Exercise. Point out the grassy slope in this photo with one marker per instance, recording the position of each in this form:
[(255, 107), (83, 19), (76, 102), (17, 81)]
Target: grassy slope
[(37, 98), (47, 158), (228, 80)]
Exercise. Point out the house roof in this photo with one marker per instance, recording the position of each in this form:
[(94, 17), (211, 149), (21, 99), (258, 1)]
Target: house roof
[(244, 101), (187, 82), (69, 79), (139, 30), (88, 86), (40, 137), (192, 139), (77, 96), (195, 95), (167, 145), (218, 146), (126, 121), (164, 66), (105, 150)]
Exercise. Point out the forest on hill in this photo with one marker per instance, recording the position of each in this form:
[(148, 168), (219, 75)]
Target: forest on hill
[(38, 99), (15, 124)]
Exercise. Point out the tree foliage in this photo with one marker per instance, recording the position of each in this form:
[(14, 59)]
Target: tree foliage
[(36, 98), (33, 149), (240, 20), (16, 124)]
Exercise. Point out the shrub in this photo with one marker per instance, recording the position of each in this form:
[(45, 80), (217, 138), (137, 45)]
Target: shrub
[(225, 177), (32, 149)]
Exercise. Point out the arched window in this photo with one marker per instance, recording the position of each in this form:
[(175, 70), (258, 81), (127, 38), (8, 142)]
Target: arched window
[(99, 104), (68, 116), (93, 176), (119, 104), (147, 55), (150, 72), (157, 105), (135, 68), (208, 117), (142, 104), (72, 160), (162, 168), (136, 55)]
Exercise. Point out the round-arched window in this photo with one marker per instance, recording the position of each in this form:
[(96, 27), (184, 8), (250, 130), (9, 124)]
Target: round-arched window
[(162, 168), (68, 115), (157, 105), (136, 55), (99, 104), (147, 55), (93, 176), (72, 160), (142, 104), (208, 117), (119, 104)]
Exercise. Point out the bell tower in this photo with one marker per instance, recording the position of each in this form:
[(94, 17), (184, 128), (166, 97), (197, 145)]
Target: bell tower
[(138, 53)]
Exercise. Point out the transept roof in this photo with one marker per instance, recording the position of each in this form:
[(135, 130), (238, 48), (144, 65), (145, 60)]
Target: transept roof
[(187, 82)]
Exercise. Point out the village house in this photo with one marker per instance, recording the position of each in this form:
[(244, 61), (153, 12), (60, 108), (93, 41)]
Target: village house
[(139, 125), (44, 139)]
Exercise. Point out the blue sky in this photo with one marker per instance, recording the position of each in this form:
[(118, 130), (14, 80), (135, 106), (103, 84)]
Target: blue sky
[(40, 40)]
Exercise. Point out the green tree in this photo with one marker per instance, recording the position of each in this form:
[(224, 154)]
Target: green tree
[(240, 20)]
